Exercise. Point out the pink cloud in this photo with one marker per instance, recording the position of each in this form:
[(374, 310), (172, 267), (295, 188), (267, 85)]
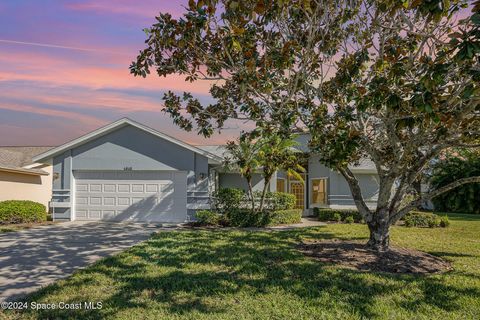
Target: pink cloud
[(60, 71), (145, 8), (87, 120)]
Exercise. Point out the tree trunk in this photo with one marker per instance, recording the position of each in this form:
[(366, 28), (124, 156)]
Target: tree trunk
[(379, 231), (264, 192), (250, 190)]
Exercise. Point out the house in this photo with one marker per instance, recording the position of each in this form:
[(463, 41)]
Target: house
[(129, 172), (21, 178)]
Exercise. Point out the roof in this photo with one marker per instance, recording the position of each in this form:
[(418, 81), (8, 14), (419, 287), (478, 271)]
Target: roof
[(112, 127), (15, 159), (365, 165), (218, 150), (35, 172)]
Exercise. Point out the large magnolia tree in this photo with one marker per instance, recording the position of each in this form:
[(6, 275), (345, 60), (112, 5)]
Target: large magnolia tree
[(393, 81)]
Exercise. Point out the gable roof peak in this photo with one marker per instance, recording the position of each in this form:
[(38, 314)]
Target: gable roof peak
[(112, 127)]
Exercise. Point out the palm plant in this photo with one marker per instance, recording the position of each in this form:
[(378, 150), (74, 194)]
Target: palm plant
[(278, 153), (243, 156)]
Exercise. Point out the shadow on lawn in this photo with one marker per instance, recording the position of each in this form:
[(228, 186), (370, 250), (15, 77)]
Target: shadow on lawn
[(214, 264)]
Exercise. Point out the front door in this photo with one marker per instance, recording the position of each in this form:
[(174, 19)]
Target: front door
[(298, 189)]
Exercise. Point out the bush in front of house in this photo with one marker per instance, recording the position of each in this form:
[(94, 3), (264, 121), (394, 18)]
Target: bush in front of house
[(22, 211), (349, 220), (425, 220), (246, 218), (228, 199), (289, 216), (281, 200), (329, 214), (208, 218)]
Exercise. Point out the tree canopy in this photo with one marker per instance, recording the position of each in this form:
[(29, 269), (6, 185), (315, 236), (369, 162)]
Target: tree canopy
[(394, 81)]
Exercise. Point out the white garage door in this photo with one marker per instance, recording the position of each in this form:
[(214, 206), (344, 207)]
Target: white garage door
[(154, 196)]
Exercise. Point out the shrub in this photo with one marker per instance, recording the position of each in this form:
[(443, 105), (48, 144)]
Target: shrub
[(422, 219), (444, 221), (228, 199), (337, 217), (282, 201), (247, 218), (349, 219), (208, 218), (21, 211), (289, 216), (328, 214)]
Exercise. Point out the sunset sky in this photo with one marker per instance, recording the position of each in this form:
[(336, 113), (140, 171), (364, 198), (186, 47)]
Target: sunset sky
[(64, 70)]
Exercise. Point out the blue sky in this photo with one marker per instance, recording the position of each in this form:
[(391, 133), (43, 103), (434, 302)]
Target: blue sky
[(64, 70)]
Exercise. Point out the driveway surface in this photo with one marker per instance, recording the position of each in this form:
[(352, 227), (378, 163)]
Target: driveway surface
[(36, 257)]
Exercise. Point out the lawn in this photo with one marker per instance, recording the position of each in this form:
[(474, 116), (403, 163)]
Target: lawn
[(223, 274)]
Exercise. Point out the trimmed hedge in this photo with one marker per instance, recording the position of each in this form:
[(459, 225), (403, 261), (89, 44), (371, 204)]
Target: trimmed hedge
[(281, 200), (328, 214), (208, 218), (425, 220), (22, 211), (289, 216), (247, 218), (228, 199)]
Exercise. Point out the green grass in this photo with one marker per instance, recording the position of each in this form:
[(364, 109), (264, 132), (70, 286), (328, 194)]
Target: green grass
[(223, 274)]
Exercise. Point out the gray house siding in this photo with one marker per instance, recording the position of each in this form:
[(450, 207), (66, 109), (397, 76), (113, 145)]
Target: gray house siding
[(235, 180), (340, 194), (129, 148)]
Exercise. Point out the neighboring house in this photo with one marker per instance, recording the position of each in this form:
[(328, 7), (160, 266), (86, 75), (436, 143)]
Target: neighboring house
[(129, 172), (21, 178)]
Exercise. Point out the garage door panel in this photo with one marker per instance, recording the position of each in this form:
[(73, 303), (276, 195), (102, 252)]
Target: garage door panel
[(131, 196), (109, 188)]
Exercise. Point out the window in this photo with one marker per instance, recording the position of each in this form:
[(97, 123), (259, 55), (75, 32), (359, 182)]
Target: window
[(319, 191), (281, 185)]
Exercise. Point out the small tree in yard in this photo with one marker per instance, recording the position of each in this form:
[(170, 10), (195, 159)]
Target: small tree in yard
[(243, 156), (277, 153), (394, 81), (265, 152)]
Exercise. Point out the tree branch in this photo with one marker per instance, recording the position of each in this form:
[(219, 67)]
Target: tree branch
[(431, 195), (356, 193)]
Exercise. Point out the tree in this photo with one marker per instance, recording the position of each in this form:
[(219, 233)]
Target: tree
[(455, 165), (243, 156), (394, 81), (277, 153)]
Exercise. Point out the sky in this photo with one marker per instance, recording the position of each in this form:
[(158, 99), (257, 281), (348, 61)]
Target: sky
[(64, 70)]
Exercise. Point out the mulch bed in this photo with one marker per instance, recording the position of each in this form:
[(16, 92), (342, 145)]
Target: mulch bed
[(356, 255)]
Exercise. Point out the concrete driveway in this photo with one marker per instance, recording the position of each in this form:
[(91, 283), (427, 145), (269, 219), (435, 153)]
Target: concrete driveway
[(36, 257)]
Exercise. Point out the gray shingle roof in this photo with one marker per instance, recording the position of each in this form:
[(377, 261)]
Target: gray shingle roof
[(19, 156), (16, 158)]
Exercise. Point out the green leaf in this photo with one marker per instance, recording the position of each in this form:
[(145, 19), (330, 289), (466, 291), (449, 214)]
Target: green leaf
[(476, 19)]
